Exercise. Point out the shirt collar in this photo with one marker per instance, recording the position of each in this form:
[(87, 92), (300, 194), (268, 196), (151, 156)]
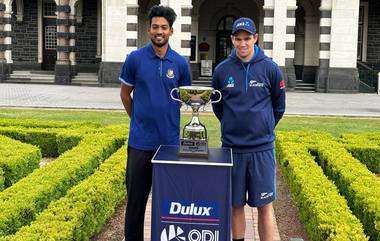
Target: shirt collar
[(168, 56)]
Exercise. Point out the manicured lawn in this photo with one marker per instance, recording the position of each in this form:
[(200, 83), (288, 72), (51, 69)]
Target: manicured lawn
[(334, 125)]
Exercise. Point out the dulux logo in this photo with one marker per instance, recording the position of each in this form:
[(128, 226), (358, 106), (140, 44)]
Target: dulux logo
[(193, 209), (177, 208)]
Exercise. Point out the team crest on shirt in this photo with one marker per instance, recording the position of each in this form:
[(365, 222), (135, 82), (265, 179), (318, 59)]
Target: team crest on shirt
[(230, 82), (170, 74)]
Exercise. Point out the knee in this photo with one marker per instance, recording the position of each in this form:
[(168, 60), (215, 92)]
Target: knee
[(265, 210), (237, 211)]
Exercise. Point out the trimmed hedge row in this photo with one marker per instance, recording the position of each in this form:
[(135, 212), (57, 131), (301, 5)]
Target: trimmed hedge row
[(52, 142), (16, 160), (364, 147), (360, 187), (20, 203), (45, 124), (323, 211), (85, 208), (45, 139)]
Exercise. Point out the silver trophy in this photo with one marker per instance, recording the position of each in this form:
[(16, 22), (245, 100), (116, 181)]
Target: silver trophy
[(194, 134)]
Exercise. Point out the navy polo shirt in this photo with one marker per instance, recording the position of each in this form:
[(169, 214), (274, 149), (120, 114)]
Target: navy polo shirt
[(155, 117)]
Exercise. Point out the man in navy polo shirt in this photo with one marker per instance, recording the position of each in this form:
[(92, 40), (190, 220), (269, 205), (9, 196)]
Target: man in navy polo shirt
[(151, 73), (253, 103)]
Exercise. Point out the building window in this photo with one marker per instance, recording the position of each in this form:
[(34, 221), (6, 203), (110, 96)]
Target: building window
[(193, 45), (50, 8), (225, 24), (51, 37)]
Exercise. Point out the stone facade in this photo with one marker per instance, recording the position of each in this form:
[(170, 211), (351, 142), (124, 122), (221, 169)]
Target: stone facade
[(25, 37), (373, 46), (86, 35), (315, 40)]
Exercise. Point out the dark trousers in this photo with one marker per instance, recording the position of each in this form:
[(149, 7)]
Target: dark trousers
[(139, 182)]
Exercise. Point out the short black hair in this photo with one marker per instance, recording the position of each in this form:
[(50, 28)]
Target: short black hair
[(162, 11)]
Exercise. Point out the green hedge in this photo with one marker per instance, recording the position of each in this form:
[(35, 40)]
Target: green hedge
[(323, 211), (2, 179), (360, 187), (16, 160), (364, 147), (30, 123), (20, 203), (84, 210), (45, 139), (52, 142)]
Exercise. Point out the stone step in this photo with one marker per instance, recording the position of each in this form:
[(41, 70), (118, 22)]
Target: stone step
[(31, 77), (305, 89), (305, 84), (95, 84), (85, 79), (87, 75), (29, 81)]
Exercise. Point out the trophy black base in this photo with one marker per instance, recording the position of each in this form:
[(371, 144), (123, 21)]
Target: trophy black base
[(193, 148)]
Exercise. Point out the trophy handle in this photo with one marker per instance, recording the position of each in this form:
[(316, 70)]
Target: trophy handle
[(220, 96), (171, 94)]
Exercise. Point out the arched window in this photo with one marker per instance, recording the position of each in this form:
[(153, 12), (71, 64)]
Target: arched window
[(225, 23)]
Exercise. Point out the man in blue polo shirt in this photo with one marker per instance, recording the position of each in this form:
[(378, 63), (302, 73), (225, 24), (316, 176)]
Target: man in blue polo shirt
[(151, 73)]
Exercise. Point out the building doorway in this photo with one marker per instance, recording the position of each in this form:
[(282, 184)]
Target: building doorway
[(49, 35), (223, 38)]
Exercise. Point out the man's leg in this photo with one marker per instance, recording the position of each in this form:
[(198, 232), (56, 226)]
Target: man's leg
[(265, 222), (139, 182), (262, 191), (239, 170), (238, 223)]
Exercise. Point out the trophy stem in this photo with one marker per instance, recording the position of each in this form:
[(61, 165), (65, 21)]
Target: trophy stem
[(195, 114)]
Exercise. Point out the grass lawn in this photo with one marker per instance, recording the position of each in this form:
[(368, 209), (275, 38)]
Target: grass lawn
[(334, 125)]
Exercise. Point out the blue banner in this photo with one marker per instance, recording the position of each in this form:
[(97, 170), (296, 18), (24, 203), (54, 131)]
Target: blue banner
[(192, 201)]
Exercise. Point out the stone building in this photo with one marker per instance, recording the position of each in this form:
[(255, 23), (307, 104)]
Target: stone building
[(323, 45)]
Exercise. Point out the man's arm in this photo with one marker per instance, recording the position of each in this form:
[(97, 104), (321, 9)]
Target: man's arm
[(278, 95), (125, 95), (217, 107)]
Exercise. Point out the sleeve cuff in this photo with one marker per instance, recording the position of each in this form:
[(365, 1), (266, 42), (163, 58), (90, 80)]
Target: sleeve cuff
[(125, 82)]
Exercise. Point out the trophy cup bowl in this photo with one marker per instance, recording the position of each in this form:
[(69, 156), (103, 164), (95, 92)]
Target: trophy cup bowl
[(194, 134)]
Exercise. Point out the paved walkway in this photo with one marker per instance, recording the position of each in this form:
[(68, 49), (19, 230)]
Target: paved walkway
[(58, 96)]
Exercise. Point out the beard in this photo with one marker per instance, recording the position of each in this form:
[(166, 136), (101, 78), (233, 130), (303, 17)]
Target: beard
[(159, 44)]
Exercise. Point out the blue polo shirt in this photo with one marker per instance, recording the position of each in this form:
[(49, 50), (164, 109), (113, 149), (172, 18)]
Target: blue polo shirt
[(155, 117)]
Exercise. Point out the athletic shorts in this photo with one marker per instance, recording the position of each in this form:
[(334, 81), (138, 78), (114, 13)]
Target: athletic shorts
[(254, 178)]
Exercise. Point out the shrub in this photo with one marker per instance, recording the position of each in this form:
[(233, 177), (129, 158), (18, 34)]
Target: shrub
[(17, 160)]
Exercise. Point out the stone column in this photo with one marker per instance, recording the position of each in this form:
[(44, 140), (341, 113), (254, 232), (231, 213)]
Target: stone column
[(180, 41), (343, 74), (62, 66), (72, 35), (268, 29), (115, 37), (132, 20), (324, 46), (290, 45), (3, 46), (8, 35)]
